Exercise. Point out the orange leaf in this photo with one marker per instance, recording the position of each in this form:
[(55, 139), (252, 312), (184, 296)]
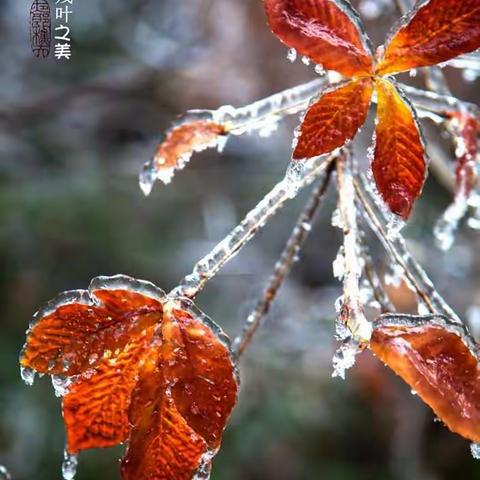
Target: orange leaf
[(72, 333), (437, 31), (142, 367), (183, 400), (327, 31), (334, 119), (181, 142), (399, 165), (439, 361)]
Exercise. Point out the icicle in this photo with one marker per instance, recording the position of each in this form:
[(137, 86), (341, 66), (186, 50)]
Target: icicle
[(4, 473), (28, 375), (297, 177), (69, 465), (345, 357), (475, 449)]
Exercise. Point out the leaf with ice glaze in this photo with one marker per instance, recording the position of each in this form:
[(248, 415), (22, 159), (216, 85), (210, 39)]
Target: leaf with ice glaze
[(142, 368), (440, 361), (334, 119), (435, 32), (399, 166), (327, 31)]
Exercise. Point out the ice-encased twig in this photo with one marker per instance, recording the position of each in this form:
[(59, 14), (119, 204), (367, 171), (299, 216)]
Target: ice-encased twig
[(351, 312), (283, 266), (298, 176), (373, 279), (400, 254), (431, 102)]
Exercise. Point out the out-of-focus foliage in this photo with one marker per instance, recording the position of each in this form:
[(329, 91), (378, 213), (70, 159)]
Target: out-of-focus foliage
[(73, 137)]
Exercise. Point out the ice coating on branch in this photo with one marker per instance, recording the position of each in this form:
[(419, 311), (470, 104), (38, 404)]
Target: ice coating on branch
[(69, 465), (61, 384), (465, 129), (297, 177), (199, 130), (345, 357)]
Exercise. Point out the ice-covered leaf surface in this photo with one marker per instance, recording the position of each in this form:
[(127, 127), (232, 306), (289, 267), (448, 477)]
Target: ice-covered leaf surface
[(439, 361), (327, 31), (140, 367), (399, 165), (435, 32), (180, 143), (334, 119)]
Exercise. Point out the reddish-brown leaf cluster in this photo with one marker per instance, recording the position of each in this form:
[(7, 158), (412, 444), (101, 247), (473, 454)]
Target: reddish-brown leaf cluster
[(145, 369), (330, 33)]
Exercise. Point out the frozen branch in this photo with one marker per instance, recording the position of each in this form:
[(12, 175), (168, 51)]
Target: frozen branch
[(296, 241), (399, 253), (298, 176), (351, 312)]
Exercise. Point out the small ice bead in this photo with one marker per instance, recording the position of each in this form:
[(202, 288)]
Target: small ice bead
[(305, 60), (4, 474), (292, 55), (69, 465), (475, 449), (28, 375)]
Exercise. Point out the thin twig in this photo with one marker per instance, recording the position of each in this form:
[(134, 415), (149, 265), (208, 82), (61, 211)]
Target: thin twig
[(294, 244), (397, 248), (298, 176)]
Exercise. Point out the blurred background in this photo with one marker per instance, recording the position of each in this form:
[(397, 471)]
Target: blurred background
[(73, 137)]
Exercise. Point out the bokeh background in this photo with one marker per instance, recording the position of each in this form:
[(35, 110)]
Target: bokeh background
[(73, 138)]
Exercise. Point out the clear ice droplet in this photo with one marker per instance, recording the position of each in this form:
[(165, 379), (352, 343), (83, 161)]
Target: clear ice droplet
[(69, 465), (475, 449), (4, 473), (28, 375)]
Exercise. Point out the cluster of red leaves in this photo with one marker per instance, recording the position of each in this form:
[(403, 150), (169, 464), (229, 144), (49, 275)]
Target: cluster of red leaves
[(144, 369), (330, 33)]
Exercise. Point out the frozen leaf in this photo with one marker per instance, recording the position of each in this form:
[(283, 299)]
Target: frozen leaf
[(439, 360), (435, 32), (399, 166), (334, 119), (176, 150), (327, 31), (141, 367), (182, 401), (76, 329)]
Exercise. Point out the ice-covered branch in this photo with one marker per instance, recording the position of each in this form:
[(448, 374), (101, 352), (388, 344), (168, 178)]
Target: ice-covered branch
[(351, 312), (470, 61), (399, 253), (202, 129), (298, 176), (294, 244)]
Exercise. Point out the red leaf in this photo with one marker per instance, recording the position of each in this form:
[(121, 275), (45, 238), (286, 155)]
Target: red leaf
[(334, 119), (399, 165), (140, 364), (182, 401), (439, 361), (327, 31), (181, 142), (75, 329), (467, 129), (437, 31)]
